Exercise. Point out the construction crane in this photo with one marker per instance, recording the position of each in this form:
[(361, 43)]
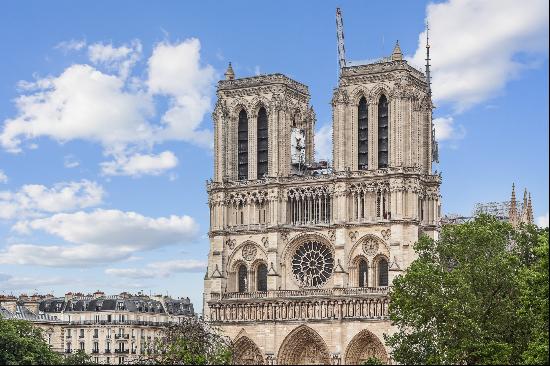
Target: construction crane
[(340, 37)]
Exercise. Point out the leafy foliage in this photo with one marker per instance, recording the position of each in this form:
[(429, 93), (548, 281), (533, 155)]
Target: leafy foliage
[(478, 295), (373, 361), (79, 358), (190, 342), (21, 343)]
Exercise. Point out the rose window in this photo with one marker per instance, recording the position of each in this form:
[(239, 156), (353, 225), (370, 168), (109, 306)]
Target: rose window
[(312, 264)]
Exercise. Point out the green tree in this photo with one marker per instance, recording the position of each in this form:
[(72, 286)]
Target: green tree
[(79, 358), (189, 342), (534, 303), (458, 302), (21, 343)]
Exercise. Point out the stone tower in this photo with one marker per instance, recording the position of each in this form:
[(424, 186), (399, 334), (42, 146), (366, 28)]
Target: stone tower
[(302, 254)]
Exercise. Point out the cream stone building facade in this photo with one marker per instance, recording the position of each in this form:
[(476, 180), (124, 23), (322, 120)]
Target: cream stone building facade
[(115, 329), (302, 254)]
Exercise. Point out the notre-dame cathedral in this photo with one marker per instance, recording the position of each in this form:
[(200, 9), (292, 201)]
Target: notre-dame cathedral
[(302, 253)]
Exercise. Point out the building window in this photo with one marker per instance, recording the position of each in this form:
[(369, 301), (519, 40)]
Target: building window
[(363, 273), (362, 135), (243, 145), (82, 346), (96, 333), (382, 272), (262, 143), (383, 132), (81, 333), (261, 281), (242, 278)]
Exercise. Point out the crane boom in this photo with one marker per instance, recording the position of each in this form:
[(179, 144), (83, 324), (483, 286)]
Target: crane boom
[(340, 37)]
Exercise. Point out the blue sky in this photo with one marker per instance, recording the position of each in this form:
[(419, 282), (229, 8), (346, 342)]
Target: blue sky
[(105, 120)]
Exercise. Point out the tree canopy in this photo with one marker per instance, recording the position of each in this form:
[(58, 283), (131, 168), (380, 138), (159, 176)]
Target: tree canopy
[(21, 343), (189, 342), (478, 295)]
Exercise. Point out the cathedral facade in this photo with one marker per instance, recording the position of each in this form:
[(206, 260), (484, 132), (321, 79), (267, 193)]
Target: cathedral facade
[(302, 254)]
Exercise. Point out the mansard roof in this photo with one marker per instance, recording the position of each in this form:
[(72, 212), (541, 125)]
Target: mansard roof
[(141, 304)]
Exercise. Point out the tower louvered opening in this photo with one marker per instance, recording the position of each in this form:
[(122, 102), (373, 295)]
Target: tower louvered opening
[(363, 135), (243, 145), (383, 132), (262, 143)]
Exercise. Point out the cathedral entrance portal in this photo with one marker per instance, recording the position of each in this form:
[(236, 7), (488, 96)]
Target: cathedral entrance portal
[(303, 346), (247, 353), (364, 346)]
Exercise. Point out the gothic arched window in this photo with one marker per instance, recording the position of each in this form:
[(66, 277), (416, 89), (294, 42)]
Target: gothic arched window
[(363, 273), (362, 135), (243, 274), (261, 278), (383, 132), (243, 145), (262, 143), (382, 272)]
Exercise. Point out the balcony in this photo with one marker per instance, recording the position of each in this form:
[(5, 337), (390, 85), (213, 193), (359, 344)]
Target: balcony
[(95, 351), (122, 336), (68, 351), (122, 351), (107, 351)]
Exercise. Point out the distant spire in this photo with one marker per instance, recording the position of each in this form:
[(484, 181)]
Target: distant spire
[(428, 78), (513, 213), (524, 208), (229, 74), (396, 54), (529, 210)]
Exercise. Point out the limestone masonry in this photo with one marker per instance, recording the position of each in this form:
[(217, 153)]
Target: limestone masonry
[(302, 253)]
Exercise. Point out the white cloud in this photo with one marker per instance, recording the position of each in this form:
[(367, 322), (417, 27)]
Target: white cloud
[(445, 129), (114, 228), (62, 256), (121, 59), (542, 221), (159, 269), (72, 45), (70, 161), (478, 46), (175, 71), (35, 199), (139, 164), (323, 142), (79, 104), (3, 177), (98, 237), (9, 282), (116, 111)]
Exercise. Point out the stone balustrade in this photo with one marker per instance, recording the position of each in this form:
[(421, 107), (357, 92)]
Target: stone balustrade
[(338, 303)]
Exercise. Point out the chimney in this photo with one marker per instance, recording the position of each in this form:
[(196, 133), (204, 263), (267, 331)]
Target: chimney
[(10, 305), (32, 306)]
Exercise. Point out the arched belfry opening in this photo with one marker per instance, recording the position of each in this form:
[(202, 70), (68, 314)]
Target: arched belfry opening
[(362, 135), (263, 143), (243, 145), (383, 132)]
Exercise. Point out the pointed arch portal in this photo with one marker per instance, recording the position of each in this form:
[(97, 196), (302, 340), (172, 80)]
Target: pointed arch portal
[(364, 346), (303, 346), (246, 352)]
